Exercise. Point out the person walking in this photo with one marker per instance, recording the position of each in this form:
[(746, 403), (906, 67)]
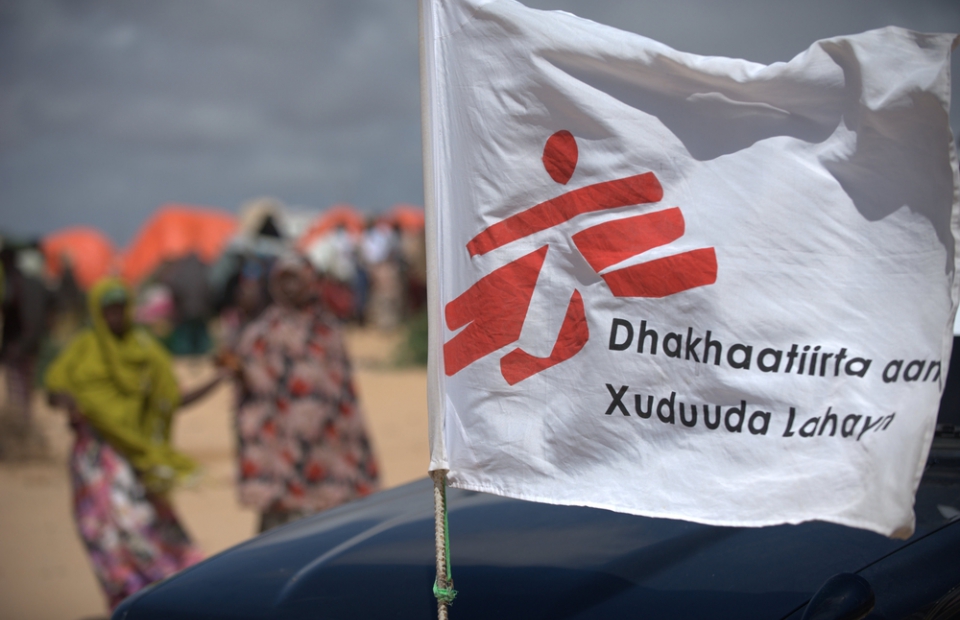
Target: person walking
[(302, 443), (117, 383), (186, 279), (383, 260), (25, 306)]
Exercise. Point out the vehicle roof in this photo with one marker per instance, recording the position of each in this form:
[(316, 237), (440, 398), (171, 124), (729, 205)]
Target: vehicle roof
[(512, 558)]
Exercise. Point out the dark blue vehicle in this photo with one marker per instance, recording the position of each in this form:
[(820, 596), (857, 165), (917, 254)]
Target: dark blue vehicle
[(516, 559)]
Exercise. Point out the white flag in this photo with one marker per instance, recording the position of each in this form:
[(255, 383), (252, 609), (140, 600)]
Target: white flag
[(683, 286)]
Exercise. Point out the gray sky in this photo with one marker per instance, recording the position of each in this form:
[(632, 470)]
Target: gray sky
[(110, 108)]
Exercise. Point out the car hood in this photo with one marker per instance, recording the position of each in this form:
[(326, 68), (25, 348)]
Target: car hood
[(375, 559)]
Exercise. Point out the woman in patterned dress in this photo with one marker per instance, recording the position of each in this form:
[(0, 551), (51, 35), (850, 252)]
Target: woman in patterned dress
[(117, 384), (302, 443)]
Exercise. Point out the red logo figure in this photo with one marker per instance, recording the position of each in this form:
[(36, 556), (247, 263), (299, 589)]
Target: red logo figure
[(495, 308)]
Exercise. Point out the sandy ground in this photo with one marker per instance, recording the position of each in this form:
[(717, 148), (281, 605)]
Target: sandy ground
[(44, 573)]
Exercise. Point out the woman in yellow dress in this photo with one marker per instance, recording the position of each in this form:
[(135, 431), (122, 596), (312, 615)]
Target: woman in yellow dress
[(117, 383)]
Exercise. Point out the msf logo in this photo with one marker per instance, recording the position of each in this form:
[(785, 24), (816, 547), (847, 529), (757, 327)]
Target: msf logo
[(492, 311)]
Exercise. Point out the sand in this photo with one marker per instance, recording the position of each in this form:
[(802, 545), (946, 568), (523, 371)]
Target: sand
[(44, 571)]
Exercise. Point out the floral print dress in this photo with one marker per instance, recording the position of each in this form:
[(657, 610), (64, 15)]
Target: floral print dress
[(133, 538), (302, 443)]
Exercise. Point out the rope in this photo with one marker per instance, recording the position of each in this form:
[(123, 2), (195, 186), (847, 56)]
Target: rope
[(443, 585)]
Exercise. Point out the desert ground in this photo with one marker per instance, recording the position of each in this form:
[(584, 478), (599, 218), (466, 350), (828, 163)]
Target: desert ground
[(44, 573)]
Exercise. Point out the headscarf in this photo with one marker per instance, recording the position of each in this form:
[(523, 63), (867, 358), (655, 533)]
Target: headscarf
[(125, 387), (298, 265)]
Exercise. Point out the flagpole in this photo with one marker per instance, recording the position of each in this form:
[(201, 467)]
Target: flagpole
[(443, 585), (437, 451)]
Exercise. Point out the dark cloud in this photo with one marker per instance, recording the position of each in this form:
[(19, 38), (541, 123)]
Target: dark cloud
[(109, 108)]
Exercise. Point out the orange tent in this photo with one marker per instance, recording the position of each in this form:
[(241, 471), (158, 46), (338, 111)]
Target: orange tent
[(408, 217), (89, 252), (338, 215), (173, 232)]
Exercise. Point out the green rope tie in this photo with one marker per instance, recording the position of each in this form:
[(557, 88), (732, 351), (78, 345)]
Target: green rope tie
[(445, 595)]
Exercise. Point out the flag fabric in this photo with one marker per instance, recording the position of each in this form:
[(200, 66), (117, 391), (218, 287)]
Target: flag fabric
[(684, 286)]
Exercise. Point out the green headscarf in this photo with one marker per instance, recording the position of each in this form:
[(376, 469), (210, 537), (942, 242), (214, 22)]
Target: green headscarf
[(125, 388)]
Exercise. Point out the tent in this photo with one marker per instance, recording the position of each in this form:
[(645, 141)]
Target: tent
[(338, 215), (176, 231), (407, 217), (88, 251)]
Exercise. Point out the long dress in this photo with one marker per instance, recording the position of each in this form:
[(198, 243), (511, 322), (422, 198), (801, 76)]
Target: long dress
[(133, 538), (122, 465), (302, 443)]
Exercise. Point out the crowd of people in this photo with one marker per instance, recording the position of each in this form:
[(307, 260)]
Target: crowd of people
[(270, 314)]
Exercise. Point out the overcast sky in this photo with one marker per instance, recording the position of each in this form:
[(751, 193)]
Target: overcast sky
[(109, 108)]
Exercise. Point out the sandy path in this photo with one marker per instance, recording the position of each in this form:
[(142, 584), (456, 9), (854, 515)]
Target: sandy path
[(44, 574)]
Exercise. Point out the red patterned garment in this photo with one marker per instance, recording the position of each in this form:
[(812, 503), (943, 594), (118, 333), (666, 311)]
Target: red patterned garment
[(133, 537), (302, 442)]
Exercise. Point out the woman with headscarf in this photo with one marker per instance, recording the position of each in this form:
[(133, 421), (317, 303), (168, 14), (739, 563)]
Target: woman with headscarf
[(302, 443), (117, 383)]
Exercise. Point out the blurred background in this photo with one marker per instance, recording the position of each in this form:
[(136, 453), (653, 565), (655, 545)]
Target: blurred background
[(185, 145)]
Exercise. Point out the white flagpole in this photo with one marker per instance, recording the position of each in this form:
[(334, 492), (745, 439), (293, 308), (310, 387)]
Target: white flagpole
[(434, 311), (443, 586)]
